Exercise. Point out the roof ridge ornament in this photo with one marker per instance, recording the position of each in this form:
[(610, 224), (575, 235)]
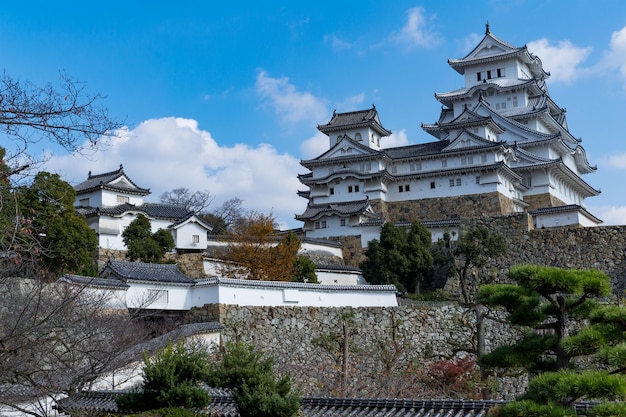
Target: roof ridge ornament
[(487, 30)]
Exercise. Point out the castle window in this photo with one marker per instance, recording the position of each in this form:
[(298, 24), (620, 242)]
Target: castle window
[(467, 160), (500, 72), (320, 224), (349, 188), (353, 188), (356, 188), (407, 187), (489, 74), (195, 239), (432, 184), (357, 137), (400, 188), (444, 163), (458, 182), (478, 179), (342, 222), (121, 199), (478, 76), (83, 202), (415, 166), (365, 167), (332, 190), (451, 183)]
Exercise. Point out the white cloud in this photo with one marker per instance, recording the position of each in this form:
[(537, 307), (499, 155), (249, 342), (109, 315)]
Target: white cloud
[(610, 215), (290, 105), (336, 43), (163, 154), (615, 57), (314, 146), (617, 161), (470, 42), (395, 139), (351, 103), (562, 59), (416, 32)]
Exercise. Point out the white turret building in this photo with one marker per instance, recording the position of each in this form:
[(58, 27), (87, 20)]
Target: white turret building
[(111, 201), (503, 146)]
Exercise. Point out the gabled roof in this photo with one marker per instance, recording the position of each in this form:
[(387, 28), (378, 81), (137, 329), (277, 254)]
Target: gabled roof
[(477, 143), (469, 118), (491, 48), (342, 209), (346, 143), (110, 181), (191, 217), (353, 120), (140, 271)]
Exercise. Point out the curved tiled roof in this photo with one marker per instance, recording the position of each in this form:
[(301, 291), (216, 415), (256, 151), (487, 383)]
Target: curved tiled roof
[(222, 404), (103, 181), (152, 210), (338, 268), (298, 285), (94, 282), (140, 271), (563, 209), (341, 208), (422, 149), (354, 119)]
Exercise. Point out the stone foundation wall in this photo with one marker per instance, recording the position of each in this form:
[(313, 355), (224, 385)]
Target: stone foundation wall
[(602, 248), (542, 200), (308, 342), (491, 204)]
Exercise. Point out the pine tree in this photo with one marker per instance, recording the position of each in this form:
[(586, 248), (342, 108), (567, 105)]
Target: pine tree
[(550, 301)]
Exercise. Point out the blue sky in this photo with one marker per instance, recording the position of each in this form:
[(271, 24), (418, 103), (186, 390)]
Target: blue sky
[(226, 96)]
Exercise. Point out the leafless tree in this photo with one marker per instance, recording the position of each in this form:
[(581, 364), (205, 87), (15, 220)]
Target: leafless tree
[(231, 211), (54, 338), (63, 114), (57, 339), (198, 201)]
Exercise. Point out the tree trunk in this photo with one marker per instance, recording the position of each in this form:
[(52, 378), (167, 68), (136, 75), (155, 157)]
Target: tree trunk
[(479, 312), (562, 359), (345, 365)]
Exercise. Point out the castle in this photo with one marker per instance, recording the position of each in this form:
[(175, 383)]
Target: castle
[(502, 146)]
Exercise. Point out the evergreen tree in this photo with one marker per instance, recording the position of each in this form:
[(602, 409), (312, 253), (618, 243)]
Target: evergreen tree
[(401, 257), (304, 270), (67, 244), (142, 244), (171, 379), (256, 390), (549, 300)]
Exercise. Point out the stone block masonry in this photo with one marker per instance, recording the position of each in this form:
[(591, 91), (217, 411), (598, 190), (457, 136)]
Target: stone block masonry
[(308, 342)]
